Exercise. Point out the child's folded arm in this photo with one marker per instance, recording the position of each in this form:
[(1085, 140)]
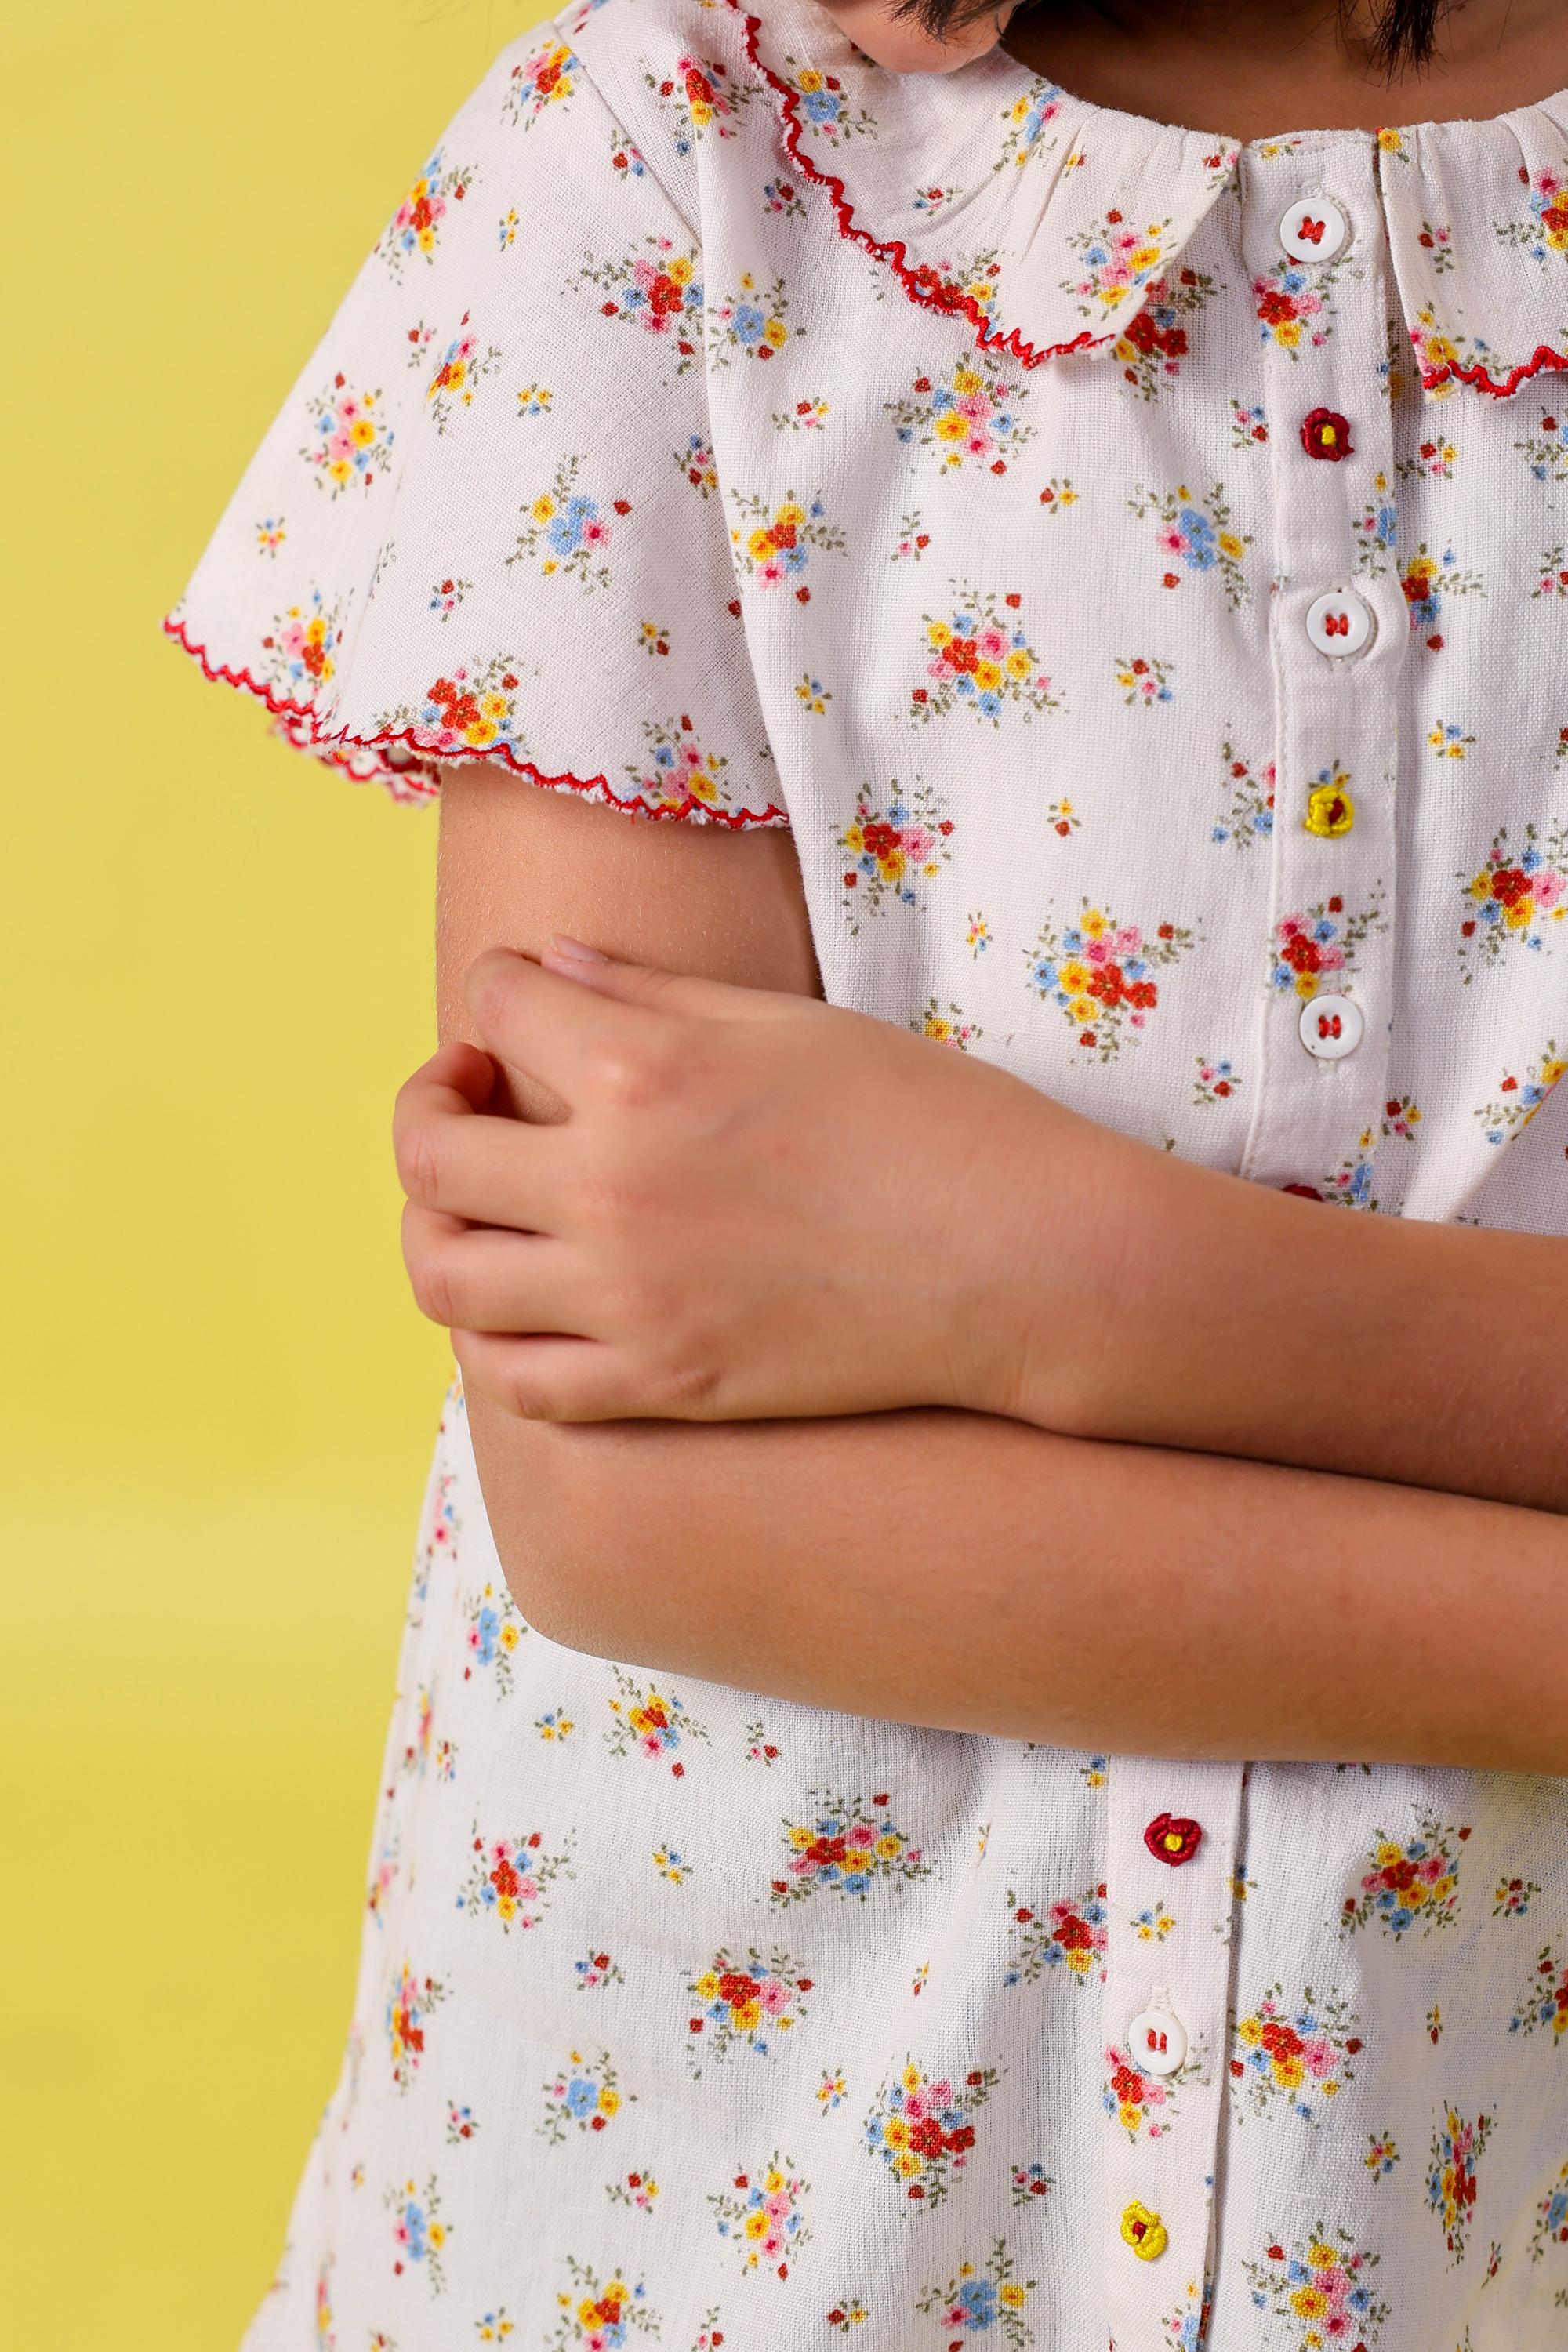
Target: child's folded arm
[(1253, 1323), (974, 1573)]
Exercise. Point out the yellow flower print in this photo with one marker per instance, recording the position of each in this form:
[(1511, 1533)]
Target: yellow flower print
[(608, 2101), (888, 1846), (1075, 976), (1310, 2302), (1012, 2294), (1094, 925), (911, 2078), (951, 426), (1018, 663), (543, 506), (1145, 256), (939, 634), (808, 80), (1391, 142), (707, 1986), (987, 674), (1230, 543)]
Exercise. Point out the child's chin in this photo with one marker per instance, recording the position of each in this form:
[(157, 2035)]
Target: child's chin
[(900, 45)]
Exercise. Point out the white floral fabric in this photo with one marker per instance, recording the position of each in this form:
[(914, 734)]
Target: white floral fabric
[(1135, 566)]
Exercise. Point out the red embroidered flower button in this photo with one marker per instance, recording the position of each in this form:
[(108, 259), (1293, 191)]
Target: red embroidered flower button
[(1326, 433), (1172, 1838)]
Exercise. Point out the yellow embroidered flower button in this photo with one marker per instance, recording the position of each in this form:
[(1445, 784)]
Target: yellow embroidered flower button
[(1145, 2232), (1330, 808)]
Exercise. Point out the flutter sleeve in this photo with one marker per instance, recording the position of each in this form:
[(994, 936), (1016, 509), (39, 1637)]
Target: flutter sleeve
[(485, 524)]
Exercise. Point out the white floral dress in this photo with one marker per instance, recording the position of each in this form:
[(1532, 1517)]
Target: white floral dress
[(1136, 570)]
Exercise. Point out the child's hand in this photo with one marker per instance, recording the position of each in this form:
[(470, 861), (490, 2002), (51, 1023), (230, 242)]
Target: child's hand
[(759, 1204)]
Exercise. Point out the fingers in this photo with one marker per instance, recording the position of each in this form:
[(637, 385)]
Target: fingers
[(552, 1028), (562, 1379), (488, 1170), (483, 1277)]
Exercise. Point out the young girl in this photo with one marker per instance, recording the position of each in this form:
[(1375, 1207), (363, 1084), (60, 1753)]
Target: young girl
[(980, 1745)]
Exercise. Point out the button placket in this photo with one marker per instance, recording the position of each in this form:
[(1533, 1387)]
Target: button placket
[(1339, 630), (1171, 1830)]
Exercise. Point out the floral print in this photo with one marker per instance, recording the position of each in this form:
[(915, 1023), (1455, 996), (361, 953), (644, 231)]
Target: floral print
[(1499, 1120), (1071, 1935), (1456, 2146), (919, 2128), (1293, 2054), (1153, 343), (895, 842), (965, 412), (761, 2214), (744, 2005), (408, 2006), (351, 444), (599, 2313), (495, 1630), (1117, 260), (1545, 232), (1318, 945), (659, 290), (419, 2235), (752, 322), (846, 1849), (1322, 2284), (415, 227), (980, 2298), (565, 532), (461, 366), (1518, 897), (1098, 971), (510, 1879), (699, 96), (776, 540), (978, 658), (1409, 1881), (546, 78), (586, 2094), (1198, 532), (634, 1942), (1542, 2007)]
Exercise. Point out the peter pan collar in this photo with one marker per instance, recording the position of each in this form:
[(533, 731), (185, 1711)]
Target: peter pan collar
[(1035, 221)]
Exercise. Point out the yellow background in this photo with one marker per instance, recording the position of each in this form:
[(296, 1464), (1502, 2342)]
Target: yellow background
[(219, 1399)]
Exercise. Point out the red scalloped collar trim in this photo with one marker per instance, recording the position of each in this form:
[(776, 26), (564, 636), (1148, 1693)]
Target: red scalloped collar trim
[(1545, 357), (922, 285), (419, 779)]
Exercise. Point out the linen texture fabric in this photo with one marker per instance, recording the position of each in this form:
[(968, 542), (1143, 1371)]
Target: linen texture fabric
[(959, 473)]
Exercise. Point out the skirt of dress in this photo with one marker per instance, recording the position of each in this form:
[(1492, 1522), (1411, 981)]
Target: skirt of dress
[(696, 2017)]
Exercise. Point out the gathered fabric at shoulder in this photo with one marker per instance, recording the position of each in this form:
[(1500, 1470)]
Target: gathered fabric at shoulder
[(485, 523)]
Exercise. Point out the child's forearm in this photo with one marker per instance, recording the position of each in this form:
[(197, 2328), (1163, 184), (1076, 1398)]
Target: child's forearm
[(1249, 1322), (977, 1574)]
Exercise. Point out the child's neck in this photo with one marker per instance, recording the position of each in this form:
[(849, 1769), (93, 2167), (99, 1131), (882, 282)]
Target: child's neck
[(1252, 68)]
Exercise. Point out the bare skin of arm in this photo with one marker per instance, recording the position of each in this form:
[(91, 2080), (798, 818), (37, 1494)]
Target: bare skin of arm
[(1013, 1563)]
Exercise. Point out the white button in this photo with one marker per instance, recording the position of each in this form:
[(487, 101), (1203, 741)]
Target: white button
[(1314, 229), (1331, 1025), (1156, 2042), (1340, 622)]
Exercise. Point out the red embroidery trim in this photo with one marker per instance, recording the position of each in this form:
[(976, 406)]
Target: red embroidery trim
[(418, 780), (1545, 357), (1163, 1828), (939, 297), (923, 286)]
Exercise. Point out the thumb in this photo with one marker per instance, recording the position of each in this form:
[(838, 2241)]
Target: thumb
[(691, 994)]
